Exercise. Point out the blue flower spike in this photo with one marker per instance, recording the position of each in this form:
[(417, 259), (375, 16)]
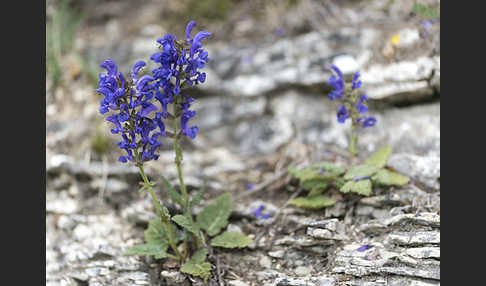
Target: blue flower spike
[(133, 112), (354, 104)]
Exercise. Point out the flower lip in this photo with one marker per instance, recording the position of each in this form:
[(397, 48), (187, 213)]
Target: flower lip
[(136, 68), (337, 70), (189, 28), (110, 66)]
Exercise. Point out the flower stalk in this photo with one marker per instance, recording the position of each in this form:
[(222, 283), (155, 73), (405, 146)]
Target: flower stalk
[(165, 221)]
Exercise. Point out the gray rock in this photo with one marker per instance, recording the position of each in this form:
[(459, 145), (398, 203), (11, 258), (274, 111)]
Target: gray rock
[(237, 283), (277, 253), (303, 270), (422, 218), (379, 260), (305, 61), (216, 111), (397, 197), (423, 169), (415, 238), (64, 164), (312, 281), (327, 229), (424, 252), (300, 241), (61, 203), (414, 130), (260, 135), (265, 262), (172, 277)]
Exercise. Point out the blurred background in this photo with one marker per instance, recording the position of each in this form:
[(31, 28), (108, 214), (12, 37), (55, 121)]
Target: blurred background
[(263, 107)]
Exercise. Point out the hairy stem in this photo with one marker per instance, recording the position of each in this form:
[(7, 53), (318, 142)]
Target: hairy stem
[(178, 161)]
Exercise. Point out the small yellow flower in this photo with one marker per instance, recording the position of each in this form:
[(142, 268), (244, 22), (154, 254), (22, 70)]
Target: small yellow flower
[(395, 39)]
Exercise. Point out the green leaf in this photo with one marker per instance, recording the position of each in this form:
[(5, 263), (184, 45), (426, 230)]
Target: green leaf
[(299, 173), (215, 216), (159, 251), (380, 157), (186, 223), (313, 203), (362, 187), (173, 194), (231, 239), (197, 197), (330, 169), (316, 191), (339, 182), (312, 184), (360, 171), (196, 266), (389, 178), (324, 170), (156, 234)]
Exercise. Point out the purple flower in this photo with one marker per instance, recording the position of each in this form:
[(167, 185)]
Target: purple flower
[(361, 107), (135, 69), (250, 186), (123, 106), (356, 82), (342, 114), (368, 121), (337, 83), (258, 212), (110, 66), (426, 25), (361, 178), (189, 27), (179, 66), (364, 247)]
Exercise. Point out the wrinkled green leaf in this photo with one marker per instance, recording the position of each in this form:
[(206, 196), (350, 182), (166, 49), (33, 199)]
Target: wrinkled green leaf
[(316, 191), (231, 240), (173, 194), (196, 266), (380, 157), (299, 173), (330, 169), (159, 251), (313, 203), (389, 178), (196, 199), (324, 170), (315, 184), (339, 182), (360, 171), (186, 223), (362, 187), (215, 216), (155, 232)]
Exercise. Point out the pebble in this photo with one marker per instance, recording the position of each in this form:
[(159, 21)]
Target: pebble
[(265, 262), (303, 270)]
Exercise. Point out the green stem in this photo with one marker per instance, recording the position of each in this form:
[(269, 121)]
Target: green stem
[(165, 221), (178, 161), (353, 143)]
